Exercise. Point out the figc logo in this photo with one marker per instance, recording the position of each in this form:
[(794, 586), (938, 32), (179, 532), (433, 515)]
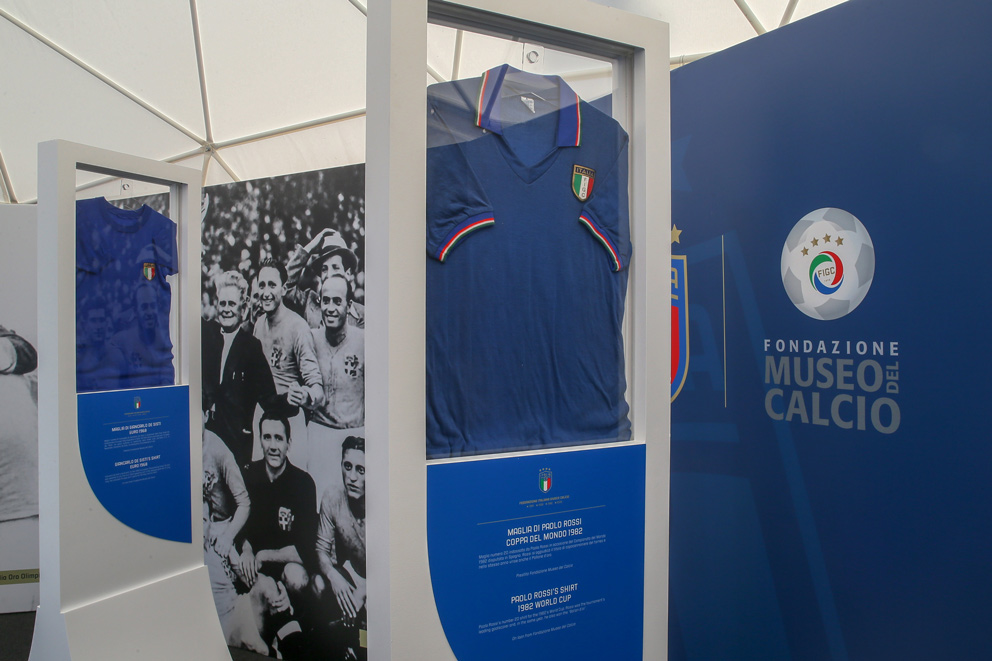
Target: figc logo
[(828, 264)]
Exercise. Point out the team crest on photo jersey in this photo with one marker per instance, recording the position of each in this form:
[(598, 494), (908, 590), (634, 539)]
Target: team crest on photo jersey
[(286, 519), (582, 181), (275, 357), (544, 480), (209, 481), (148, 271), (352, 365)]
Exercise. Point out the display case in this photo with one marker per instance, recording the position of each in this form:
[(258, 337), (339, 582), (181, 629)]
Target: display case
[(486, 434), (120, 497)]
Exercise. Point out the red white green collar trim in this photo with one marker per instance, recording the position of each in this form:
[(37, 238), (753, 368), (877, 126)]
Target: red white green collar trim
[(488, 115)]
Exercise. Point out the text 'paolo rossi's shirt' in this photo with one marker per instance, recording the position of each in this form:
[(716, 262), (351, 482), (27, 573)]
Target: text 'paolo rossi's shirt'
[(528, 238)]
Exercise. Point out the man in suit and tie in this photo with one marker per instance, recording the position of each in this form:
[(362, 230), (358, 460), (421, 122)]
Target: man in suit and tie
[(236, 375)]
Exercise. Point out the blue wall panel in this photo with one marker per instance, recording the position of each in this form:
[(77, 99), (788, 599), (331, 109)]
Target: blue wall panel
[(868, 543)]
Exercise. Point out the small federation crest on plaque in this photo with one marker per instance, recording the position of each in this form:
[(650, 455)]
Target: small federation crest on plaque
[(582, 181), (148, 271), (137, 403), (544, 480)]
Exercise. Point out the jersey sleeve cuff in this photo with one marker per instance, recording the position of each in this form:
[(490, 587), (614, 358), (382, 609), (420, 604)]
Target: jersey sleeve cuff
[(616, 261), (466, 227)]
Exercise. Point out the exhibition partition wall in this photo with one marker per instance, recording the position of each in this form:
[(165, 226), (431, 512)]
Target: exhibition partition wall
[(830, 461)]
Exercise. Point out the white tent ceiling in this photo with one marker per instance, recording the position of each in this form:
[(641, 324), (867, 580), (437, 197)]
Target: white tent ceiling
[(241, 89)]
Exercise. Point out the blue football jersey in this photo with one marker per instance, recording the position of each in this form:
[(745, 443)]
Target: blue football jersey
[(528, 242), (123, 299)]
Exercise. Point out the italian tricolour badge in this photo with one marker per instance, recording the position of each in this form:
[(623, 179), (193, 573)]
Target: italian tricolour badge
[(680, 325), (582, 180), (544, 480), (148, 271)]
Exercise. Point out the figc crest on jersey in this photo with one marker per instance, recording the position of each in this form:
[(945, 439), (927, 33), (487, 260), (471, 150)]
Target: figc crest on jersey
[(582, 181), (544, 480), (148, 271), (680, 325)]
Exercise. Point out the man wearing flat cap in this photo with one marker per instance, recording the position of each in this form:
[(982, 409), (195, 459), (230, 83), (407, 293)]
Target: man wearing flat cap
[(308, 266)]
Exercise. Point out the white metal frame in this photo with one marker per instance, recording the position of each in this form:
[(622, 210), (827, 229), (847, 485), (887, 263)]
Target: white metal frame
[(402, 620), (107, 591)]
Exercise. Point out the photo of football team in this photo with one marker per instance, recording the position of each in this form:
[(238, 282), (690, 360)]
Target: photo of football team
[(284, 412)]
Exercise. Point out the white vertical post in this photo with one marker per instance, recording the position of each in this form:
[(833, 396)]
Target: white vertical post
[(402, 620)]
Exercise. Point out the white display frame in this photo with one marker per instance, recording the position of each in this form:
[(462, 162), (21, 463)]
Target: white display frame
[(154, 601), (402, 620), (19, 551)]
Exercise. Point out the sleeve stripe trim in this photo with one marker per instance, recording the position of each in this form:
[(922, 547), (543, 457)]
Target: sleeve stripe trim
[(602, 239), (484, 222)]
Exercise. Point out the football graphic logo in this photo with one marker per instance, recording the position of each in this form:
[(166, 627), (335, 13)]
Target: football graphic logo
[(828, 263)]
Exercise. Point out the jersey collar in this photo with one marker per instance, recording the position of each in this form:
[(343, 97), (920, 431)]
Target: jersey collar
[(488, 104)]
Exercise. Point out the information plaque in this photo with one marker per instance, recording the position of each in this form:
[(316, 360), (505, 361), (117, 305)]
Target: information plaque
[(540, 555), (135, 450)]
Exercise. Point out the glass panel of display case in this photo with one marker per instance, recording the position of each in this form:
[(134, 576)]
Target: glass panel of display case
[(127, 258), (528, 245)]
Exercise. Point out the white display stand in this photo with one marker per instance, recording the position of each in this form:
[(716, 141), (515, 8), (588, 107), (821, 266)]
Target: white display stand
[(18, 312), (403, 622), (108, 591)]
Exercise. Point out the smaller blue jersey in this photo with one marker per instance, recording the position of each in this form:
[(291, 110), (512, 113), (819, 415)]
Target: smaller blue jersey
[(123, 299), (528, 242)]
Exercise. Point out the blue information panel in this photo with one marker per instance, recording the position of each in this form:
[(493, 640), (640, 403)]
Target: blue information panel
[(540, 555), (135, 450), (830, 494)]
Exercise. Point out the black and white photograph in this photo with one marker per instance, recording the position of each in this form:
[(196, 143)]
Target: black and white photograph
[(18, 411), (284, 412)]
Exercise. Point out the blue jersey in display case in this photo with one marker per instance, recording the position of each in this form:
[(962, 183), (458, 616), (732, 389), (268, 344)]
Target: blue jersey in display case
[(123, 299), (528, 242)]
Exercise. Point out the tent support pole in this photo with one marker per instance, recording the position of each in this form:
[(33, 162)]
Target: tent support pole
[(221, 162), (198, 46), (275, 133), (751, 18), (457, 64), (679, 60), (8, 188), (789, 10)]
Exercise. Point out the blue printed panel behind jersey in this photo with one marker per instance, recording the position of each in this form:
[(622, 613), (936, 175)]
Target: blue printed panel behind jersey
[(122, 296), (792, 536), (526, 275)]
